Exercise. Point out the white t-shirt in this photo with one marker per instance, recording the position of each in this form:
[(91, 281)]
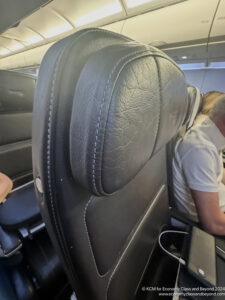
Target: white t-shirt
[(198, 165)]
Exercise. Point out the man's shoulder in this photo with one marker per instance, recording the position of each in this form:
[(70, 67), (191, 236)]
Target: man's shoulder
[(195, 143)]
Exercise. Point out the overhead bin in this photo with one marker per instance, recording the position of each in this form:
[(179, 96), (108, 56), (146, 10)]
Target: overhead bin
[(216, 51), (15, 11), (188, 54)]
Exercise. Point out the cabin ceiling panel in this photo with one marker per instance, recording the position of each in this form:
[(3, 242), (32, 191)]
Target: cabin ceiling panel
[(57, 20), (134, 7), (8, 45), (186, 21), (44, 21), (23, 34), (115, 27), (79, 12)]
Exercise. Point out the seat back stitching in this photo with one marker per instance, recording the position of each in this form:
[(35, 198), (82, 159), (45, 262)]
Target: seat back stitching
[(91, 198), (49, 129), (99, 117)]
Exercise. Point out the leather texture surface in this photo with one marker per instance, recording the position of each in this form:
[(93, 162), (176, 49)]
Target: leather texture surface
[(120, 118), (16, 105), (108, 107)]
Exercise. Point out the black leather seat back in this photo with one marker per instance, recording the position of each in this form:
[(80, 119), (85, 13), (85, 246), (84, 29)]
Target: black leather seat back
[(16, 105), (108, 107)]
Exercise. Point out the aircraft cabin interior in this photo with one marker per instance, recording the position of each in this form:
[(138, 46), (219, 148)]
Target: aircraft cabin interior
[(95, 97)]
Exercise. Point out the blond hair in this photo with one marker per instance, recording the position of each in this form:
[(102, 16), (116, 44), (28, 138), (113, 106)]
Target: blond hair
[(209, 100), (219, 107)]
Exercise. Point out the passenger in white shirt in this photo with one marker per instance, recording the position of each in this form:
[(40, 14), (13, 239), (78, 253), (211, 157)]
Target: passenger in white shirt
[(198, 173)]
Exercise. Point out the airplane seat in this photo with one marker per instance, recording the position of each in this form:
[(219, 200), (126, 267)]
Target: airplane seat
[(109, 106), (16, 106), (20, 220), (195, 104)]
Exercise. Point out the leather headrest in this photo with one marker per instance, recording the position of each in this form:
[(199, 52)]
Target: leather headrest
[(195, 103), (130, 100), (16, 91)]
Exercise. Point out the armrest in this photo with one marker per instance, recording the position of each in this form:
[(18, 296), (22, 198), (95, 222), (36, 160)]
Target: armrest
[(184, 218), (20, 209)]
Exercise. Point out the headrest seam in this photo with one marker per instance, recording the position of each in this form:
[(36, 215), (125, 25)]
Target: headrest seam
[(99, 121), (160, 103)]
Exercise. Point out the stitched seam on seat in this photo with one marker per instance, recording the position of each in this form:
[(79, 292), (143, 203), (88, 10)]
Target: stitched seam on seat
[(153, 53), (49, 128), (86, 207), (152, 152), (115, 34), (89, 241), (99, 120), (162, 54), (160, 192), (49, 134), (160, 104), (50, 125)]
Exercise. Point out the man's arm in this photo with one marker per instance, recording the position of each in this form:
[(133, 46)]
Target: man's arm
[(6, 185), (210, 215)]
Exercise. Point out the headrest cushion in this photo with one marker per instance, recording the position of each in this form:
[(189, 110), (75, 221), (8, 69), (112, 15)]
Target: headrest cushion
[(130, 100)]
